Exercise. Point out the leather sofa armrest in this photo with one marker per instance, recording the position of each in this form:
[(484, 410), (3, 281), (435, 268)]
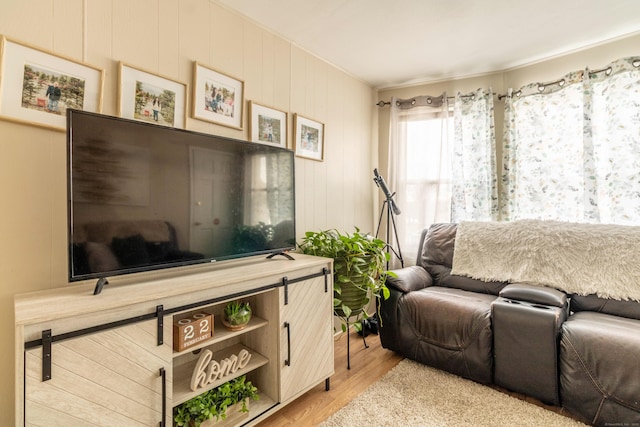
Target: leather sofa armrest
[(534, 294), (410, 279), (389, 324)]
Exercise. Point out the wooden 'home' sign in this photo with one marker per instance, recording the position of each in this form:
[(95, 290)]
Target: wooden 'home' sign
[(208, 370)]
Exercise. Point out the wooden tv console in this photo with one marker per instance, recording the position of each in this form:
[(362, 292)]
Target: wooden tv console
[(109, 359)]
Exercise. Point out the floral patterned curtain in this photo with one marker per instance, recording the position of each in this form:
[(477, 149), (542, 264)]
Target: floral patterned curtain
[(474, 171), (614, 106), (571, 148)]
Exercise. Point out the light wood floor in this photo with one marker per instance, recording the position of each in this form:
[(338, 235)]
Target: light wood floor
[(367, 366)]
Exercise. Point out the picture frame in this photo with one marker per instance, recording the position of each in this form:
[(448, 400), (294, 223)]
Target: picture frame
[(217, 97), (148, 97), (267, 125), (37, 86), (308, 138)]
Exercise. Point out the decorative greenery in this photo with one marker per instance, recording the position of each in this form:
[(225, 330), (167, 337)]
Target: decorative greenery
[(214, 403), (358, 267), (237, 313)]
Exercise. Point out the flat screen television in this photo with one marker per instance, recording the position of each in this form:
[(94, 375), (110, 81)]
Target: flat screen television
[(143, 197)]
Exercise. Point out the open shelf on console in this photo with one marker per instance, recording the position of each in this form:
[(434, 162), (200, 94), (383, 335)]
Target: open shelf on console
[(221, 333), (182, 373)]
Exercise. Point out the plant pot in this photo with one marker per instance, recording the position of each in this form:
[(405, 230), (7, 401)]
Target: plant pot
[(238, 321), (351, 293)]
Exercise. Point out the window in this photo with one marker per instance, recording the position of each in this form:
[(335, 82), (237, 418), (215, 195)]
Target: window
[(428, 179)]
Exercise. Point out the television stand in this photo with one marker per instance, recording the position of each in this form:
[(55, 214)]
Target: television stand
[(122, 359)]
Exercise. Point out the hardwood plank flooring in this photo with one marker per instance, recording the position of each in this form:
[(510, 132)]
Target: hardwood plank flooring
[(367, 366)]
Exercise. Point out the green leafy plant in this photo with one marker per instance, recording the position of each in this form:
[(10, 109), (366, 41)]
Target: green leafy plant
[(358, 268), (214, 403)]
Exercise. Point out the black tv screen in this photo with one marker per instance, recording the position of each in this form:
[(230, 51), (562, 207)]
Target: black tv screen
[(145, 197)]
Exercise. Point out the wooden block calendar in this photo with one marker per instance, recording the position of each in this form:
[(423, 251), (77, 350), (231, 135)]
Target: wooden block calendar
[(192, 330)]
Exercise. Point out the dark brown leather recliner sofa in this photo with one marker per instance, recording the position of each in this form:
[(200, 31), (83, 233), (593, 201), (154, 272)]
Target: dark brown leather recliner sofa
[(581, 352)]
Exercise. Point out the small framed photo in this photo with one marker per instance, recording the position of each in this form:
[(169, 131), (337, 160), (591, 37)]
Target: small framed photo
[(308, 138), (37, 86), (217, 97), (151, 98), (267, 125)]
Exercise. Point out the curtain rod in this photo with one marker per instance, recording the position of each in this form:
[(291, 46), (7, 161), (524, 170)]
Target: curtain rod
[(541, 86), (384, 103)]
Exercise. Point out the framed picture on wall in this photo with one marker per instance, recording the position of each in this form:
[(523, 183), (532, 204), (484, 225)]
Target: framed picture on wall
[(308, 138), (267, 125), (217, 97), (37, 86), (147, 97)]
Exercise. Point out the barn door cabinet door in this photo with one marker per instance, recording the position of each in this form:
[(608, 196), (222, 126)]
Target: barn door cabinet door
[(110, 378), (306, 340)]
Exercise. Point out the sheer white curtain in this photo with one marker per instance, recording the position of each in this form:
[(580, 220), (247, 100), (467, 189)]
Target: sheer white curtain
[(571, 148), (419, 168), (474, 170)]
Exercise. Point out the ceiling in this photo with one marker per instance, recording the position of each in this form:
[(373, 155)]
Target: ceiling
[(390, 43)]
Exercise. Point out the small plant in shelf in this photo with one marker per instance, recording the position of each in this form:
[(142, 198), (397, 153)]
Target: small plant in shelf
[(236, 315), (214, 403)]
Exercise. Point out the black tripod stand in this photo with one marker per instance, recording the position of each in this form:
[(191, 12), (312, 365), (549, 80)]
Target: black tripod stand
[(391, 208)]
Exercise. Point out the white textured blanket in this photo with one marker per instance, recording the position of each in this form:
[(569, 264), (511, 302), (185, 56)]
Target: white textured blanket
[(584, 259)]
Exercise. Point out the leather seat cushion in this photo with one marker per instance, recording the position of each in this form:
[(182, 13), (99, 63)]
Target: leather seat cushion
[(600, 372), (449, 329)]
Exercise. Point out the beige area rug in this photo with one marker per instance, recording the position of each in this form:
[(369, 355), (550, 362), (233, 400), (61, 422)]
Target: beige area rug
[(412, 395)]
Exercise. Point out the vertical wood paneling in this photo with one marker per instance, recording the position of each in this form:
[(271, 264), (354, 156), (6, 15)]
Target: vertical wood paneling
[(67, 23), (99, 49), (135, 33), (319, 86), (253, 58), (169, 40), (334, 150), (227, 42), (194, 35), (194, 45), (297, 99), (30, 21), (282, 78), (267, 77), (56, 185)]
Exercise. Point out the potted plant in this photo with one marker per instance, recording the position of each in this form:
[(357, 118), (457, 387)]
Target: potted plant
[(358, 268), (236, 315), (214, 403)]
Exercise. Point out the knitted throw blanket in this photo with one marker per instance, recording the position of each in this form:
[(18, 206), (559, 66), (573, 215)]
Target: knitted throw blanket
[(584, 259)]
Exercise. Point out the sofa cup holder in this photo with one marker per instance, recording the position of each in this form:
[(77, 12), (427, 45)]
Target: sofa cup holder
[(544, 307), (511, 301)]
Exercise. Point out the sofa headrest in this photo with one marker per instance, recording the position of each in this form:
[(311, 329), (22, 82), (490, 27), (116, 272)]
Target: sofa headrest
[(436, 245)]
